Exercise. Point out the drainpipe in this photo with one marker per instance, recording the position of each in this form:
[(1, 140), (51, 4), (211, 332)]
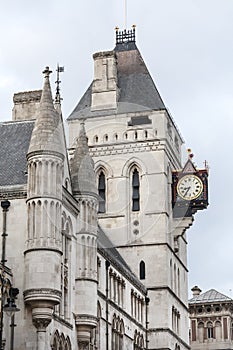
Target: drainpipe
[(147, 300), (5, 205), (107, 264)]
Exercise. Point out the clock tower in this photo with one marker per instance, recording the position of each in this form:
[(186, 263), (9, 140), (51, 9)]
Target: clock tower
[(136, 148)]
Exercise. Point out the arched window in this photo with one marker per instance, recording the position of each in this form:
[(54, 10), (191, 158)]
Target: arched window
[(138, 341), (96, 139), (201, 332), (117, 333), (218, 330), (136, 135), (210, 330), (102, 192), (136, 191), (142, 270), (146, 134)]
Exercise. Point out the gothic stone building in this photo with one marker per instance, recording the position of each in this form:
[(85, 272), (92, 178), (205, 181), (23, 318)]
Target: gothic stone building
[(96, 253), (211, 315)]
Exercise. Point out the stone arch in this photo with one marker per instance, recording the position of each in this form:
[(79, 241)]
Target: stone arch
[(130, 164), (69, 222), (95, 139), (54, 342), (105, 138), (218, 330), (200, 328), (100, 164)]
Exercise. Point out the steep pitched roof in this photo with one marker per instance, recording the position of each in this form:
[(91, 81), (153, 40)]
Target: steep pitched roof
[(14, 143), (211, 295), (137, 91), (106, 247), (82, 166), (48, 131)]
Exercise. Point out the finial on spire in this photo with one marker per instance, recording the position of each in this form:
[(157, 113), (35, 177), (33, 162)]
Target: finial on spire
[(58, 70), (46, 72), (126, 36), (190, 154)]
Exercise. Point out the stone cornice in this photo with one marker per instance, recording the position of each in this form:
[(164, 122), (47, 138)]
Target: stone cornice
[(156, 244), (44, 196), (13, 192), (52, 249), (168, 330), (126, 147), (62, 321), (170, 291), (37, 295), (45, 152)]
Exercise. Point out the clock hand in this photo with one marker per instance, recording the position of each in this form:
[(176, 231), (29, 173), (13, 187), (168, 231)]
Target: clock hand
[(187, 189)]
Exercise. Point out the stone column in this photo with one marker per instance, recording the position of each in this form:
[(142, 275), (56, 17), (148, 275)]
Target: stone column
[(41, 318), (41, 324)]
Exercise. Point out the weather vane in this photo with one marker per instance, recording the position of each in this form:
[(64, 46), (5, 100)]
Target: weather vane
[(59, 70)]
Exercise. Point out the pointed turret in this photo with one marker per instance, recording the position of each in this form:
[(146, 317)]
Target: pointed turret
[(46, 135), (82, 166), (85, 192), (44, 201)]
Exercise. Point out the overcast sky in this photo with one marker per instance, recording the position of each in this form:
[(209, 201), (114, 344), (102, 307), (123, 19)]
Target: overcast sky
[(188, 48)]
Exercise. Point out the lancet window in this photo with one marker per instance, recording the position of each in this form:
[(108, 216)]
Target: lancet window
[(142, 270), (102, 192), (135, 190), (117, 333), (138, 341)]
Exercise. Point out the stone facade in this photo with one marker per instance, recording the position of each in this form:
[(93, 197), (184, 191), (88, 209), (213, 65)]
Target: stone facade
[(98, 258), (211, 317)]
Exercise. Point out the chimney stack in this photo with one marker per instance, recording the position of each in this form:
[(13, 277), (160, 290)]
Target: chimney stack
[(196, 291)]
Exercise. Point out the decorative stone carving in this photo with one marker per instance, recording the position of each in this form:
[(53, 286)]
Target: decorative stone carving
[(41, 324), (83, 345)]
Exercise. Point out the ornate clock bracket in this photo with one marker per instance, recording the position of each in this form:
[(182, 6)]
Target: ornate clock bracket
[(189, 189)]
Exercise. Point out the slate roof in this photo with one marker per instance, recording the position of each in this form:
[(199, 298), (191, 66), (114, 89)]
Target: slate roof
[(137, 91), (111, 253), (210, 296), (14, 143)]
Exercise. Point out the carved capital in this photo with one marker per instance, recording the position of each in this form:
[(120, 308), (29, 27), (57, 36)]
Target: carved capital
[(41, 324), (83, 345)]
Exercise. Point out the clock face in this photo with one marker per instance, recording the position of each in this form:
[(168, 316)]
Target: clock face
[(189, 187)]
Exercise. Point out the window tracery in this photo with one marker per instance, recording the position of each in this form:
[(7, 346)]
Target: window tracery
[(60, 342)]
